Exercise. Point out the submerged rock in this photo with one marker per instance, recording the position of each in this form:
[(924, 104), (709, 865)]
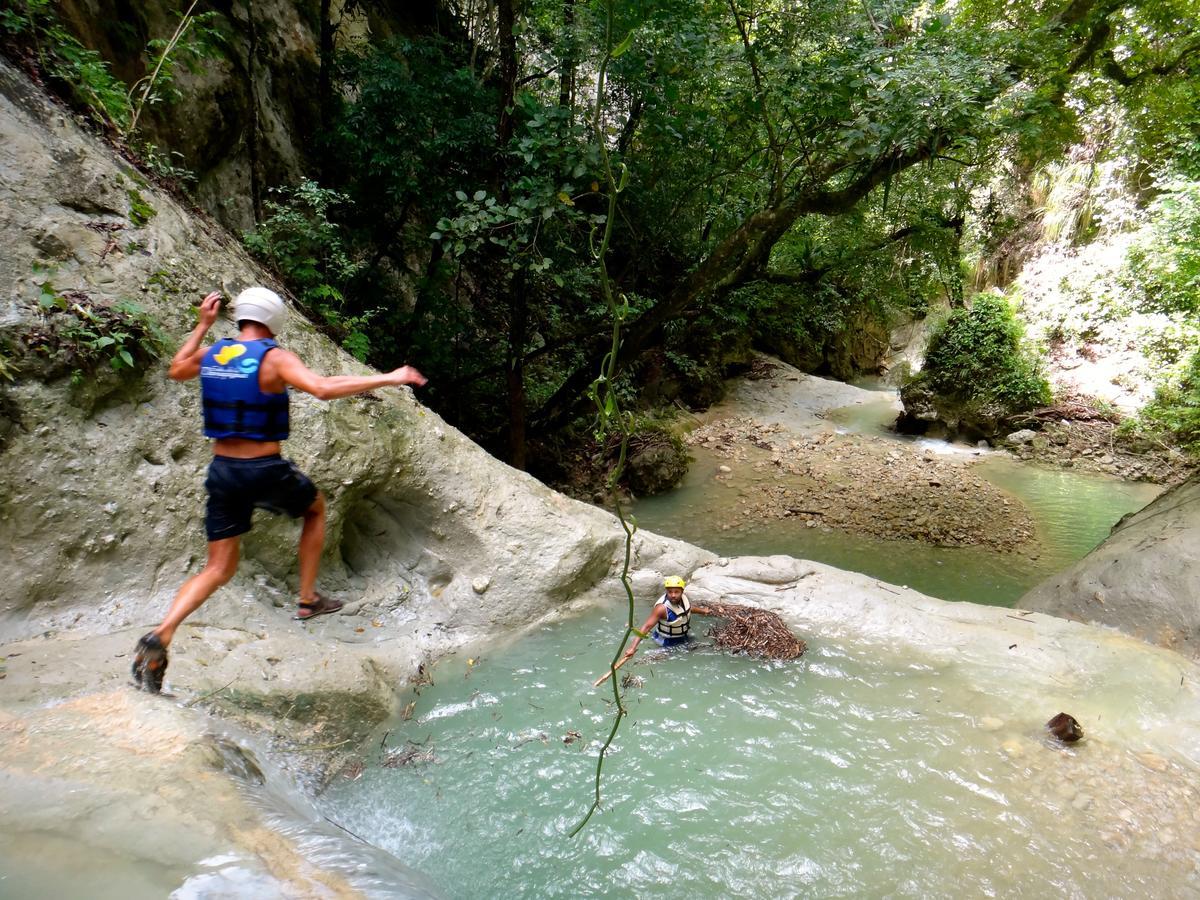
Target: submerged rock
[(1064, 727)]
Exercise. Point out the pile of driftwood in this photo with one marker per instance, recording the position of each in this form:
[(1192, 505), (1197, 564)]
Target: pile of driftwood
[(746, 629), (1072, 407), (751, 630)]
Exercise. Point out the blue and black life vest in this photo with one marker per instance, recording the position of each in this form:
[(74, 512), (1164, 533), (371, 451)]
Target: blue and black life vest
[(673, 628), (234, 405)]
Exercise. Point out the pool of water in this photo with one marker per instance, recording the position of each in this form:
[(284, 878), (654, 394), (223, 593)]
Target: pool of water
[(42, 864), (1073, 512), (852, 772)]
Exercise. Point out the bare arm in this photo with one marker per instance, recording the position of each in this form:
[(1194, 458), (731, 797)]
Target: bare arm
[(186, 362), (657, 613), (330, 387)]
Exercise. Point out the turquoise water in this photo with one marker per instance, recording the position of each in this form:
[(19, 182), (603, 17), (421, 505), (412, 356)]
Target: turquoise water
[(1073, 512), (856, 771), (852, 772)]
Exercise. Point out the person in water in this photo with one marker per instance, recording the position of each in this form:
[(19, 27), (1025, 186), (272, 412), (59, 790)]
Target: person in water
[(244, 385), (670, 620)]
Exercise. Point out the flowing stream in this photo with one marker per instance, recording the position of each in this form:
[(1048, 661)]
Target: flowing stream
[(856, 771), (1074, 511), (852, 772)]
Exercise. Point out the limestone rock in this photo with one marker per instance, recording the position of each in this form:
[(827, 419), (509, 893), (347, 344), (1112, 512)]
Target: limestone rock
[(416, 510), (1144, 579), (1017, 438), (656, 468)]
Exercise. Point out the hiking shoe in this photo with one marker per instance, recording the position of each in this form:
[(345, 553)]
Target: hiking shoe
[(150, 663)]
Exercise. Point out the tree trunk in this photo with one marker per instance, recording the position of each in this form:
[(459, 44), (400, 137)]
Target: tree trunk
[(517, 327), (518, 310), (566, 63), (508, 72)]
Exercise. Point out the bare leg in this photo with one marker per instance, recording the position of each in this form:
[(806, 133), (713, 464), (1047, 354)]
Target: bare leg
[(312, 542), (222, 564)]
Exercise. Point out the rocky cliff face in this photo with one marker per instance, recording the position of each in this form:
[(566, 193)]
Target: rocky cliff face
[(1144, 580), (101, 500), (248, 113)]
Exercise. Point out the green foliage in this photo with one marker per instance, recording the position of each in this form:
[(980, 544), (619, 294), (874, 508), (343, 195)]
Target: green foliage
[(549, 173), (34, 26), (140, 212), (975, 355), (86, 335), (195, 39), (513, 223), (1164, 261), (418, 126), (415, 128), (166, 165), (715, 131), (35, 29), (308, 249), (1175, 409)]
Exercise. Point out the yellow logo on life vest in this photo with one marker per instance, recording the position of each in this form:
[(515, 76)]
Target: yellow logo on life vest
[(230, 353)]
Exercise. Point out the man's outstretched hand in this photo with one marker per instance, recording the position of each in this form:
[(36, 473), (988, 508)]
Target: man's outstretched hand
[(408, 375)]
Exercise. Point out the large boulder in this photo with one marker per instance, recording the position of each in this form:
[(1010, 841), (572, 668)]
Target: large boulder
[(1144, 579), (657, 467), (927, 412)]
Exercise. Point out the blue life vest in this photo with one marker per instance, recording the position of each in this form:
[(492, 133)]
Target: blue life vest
[(234, 405), (673, 628)]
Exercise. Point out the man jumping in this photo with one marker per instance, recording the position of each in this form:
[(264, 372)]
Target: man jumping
[(244, 388)]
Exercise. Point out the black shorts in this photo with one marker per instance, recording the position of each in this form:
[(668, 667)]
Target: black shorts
[(237, 486)]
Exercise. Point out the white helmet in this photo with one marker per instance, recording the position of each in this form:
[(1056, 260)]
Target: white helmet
[(257, 304)]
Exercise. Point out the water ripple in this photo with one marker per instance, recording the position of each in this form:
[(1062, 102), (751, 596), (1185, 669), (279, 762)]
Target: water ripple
[(854, 773)]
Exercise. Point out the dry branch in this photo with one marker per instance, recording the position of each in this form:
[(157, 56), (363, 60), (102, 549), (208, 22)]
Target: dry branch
[(751, 630)]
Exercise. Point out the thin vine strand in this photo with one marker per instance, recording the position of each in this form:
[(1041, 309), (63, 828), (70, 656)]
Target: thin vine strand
[(609, 412)]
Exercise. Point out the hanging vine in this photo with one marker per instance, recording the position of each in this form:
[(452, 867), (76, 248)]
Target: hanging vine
[(611, 419)]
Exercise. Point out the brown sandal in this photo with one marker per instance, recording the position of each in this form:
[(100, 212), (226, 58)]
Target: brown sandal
[(321, 606)]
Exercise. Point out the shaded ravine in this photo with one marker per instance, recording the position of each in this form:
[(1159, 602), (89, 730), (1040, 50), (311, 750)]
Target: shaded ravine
[(437, 546), (730, 501)]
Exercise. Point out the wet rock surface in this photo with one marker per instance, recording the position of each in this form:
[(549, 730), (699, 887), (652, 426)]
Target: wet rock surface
[(1144, 580)]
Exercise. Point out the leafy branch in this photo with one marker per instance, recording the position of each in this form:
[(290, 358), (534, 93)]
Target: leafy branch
[(164, 62), (83, 334)]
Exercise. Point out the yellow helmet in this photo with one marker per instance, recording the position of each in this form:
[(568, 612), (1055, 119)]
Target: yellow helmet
[(674, 581)]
